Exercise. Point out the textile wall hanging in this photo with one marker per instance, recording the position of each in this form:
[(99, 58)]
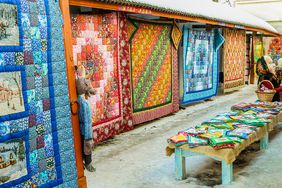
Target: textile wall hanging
[(275, 49), (153, 65), (258, 48), (248, 59), (36, 142), (200, 64), (234, 59), (100, 45)]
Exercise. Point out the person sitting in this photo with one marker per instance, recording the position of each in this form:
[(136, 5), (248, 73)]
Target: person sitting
[(278, 69), (276, 84)]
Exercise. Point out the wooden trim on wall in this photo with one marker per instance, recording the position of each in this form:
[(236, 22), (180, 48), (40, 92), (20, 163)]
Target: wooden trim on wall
[(115, 7), (252, 67), (81, 179)]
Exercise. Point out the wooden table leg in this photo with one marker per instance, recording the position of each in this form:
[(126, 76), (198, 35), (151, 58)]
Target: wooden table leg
[(264, 142), (180, 167), (226, 173)]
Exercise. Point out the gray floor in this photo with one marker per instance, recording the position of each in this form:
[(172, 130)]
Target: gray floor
[(137, 159)]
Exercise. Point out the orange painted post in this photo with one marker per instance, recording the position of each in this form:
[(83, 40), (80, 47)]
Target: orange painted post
[(72, 92)]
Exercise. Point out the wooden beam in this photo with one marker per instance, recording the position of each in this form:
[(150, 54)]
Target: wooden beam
[(81, 179), (115, 7)]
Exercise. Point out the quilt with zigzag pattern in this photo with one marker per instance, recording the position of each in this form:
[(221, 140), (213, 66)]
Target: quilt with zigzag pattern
[(151, 59)]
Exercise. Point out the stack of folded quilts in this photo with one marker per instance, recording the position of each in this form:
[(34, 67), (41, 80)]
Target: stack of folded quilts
[(254, 121), (242, 125), (222, 142), (193, 131), (272, 111), (255, 116), (227, 129), (179, 139), (194, 141), (241, 132), (192, 137), (220, 122), (242, 106), (266, 104)]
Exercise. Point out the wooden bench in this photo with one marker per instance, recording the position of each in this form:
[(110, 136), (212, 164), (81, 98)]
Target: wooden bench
[(226, 156)]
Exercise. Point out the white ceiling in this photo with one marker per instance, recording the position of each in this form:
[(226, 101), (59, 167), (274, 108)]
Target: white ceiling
[(267, 10)]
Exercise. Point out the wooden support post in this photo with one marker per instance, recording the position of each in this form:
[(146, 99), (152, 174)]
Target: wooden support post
[(180, 167), (264, 142), (252, 65), (81, 179), (226, 173)]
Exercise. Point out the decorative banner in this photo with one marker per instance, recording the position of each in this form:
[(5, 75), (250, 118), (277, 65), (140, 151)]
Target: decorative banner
[(97, 41), (234, 59), (176, 35), (200, 65), (153, 71)]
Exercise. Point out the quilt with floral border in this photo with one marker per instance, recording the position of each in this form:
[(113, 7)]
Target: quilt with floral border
[(153, 70), (100, 44)]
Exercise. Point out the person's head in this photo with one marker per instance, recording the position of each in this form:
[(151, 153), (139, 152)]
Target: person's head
[(271, 68)]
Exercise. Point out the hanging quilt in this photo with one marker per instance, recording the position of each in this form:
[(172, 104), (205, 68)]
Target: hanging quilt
[(234, 59), (258, 48), (36, 140), (248, 59), (275, 49), (99, 45), (152, 65), (200, 65), (95, 46)]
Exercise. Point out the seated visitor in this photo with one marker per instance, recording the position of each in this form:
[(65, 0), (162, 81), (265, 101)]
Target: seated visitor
[(262, 67), (276, 84)]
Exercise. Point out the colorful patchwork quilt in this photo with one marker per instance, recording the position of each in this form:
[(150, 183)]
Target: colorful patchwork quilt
[(36, 142), (275, 49), (154, 69), (95, 46), (200, 65), (151, 66), (100, 44), (258, 48), (234, 59)]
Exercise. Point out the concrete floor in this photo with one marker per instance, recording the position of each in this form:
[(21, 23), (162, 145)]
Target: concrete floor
[(137, 159)]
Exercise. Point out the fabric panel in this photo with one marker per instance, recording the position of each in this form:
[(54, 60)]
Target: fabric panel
[(200, 64), (234, 59)]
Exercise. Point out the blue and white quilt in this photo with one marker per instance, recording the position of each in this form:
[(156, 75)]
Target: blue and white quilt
[(200, 64)]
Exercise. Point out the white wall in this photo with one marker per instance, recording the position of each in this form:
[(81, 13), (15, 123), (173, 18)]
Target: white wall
[(268, 10)]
